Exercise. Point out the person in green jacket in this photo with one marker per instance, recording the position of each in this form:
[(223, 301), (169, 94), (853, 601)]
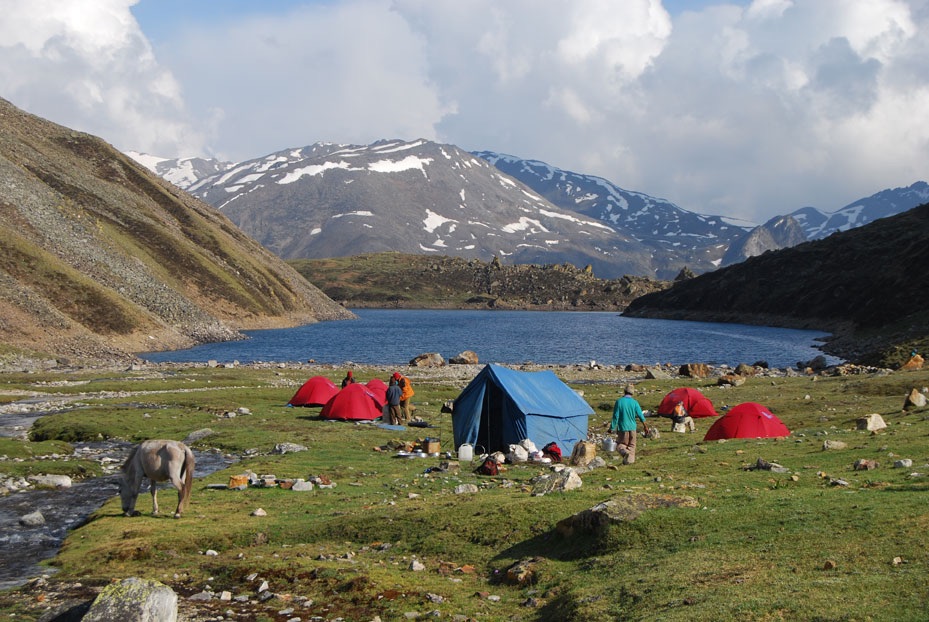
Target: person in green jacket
[(625, 412)]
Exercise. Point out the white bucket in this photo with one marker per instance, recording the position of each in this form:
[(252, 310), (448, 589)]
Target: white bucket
[(465, 452), (609, 444)]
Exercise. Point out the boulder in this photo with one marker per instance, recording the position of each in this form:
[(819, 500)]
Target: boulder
[(914, 400), (33, 519), (745, 370), (134, 600), (583, 453), (428, 359), (598, 519), (915, 362), (731, 380), (694, 370), (468, 357), (871, 423), (864, 465), (656, 373)]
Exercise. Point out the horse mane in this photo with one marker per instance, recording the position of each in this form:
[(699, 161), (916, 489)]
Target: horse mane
[(130, 460)]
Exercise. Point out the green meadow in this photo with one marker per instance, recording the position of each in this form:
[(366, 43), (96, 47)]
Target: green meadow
[(820, 541)]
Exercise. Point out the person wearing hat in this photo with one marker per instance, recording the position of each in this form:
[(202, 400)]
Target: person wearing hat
[(407, 388), (626, 412), (394, 394), (348, 379)]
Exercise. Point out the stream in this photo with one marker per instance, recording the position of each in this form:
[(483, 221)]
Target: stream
[(22, 548)]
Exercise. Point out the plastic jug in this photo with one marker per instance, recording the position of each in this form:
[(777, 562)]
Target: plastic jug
[(465, 452)]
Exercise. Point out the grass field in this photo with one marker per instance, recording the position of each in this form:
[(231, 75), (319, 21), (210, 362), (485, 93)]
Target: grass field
[(818, 542)]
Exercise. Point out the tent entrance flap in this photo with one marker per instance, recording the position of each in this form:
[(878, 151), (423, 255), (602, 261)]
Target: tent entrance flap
[(490, 431)]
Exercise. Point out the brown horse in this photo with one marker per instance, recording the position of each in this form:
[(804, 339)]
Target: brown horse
[(159, 461)]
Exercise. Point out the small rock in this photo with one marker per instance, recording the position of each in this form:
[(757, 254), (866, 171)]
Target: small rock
[(33, 519), (828, 445), (417, 566), (903, 463), (259, 512)]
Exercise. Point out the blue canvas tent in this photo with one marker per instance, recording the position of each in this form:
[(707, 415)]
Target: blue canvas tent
[(502, 406)]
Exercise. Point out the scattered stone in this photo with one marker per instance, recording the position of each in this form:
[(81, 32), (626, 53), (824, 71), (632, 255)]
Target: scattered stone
[(434, 598), (286, 448), (829, 565), (211, 553), (694, 370), (522, 573), (462, 489), (52, 481), (134, 599), (32, 519), (428, 359), (838, 482), (417, 566), (301, 485), (871, 423), (197, 435), (556, 482), (763, 465), (865, 465), (468, 357), (903, 463), (896, 561), (731, 380), (656, 373), (746, 370), (259, 512), (827, 445)]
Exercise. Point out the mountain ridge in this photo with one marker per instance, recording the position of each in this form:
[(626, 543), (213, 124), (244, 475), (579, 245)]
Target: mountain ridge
[(653, 237)]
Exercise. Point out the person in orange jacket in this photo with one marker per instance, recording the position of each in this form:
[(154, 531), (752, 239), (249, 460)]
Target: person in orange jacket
[(407, 387)]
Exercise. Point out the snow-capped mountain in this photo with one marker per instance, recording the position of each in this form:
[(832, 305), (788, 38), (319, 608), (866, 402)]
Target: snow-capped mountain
[(328, 200), (818, 224), (182, 172), (677, 237)]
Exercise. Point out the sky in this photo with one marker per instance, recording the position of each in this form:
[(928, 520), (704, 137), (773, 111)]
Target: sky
[(747, 109)]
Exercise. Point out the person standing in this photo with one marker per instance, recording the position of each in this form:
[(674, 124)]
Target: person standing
[(407, 388), (394, 393), (348, 379), (626, 411)]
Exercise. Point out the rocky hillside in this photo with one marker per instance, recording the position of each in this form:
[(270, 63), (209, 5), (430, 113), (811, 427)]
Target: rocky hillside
[(866, 284), (100, 258), (416, 281)]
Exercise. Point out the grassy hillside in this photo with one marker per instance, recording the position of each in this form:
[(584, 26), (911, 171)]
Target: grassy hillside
[(417, 281), (866, 284), (98, 257), (757, 545)]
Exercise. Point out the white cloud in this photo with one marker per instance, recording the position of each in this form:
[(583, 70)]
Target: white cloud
[(745, 109)]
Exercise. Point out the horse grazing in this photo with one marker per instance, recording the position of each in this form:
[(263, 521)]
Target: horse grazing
[(159, 461)]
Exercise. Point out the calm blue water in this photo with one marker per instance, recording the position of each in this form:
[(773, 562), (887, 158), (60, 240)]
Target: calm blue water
[(393, 337)]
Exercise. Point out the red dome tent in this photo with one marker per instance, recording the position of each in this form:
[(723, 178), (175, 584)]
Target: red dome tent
[(695, 403), (379, 389), (315, 392), (747, 420), (354, 402)]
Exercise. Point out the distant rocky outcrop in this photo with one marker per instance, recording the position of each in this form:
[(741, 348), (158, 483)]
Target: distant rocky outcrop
[(414, 281), (100, 258), (865, 285)]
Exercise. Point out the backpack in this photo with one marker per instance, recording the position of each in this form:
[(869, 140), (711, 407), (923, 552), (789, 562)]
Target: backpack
[(488, 467), (553, 451)]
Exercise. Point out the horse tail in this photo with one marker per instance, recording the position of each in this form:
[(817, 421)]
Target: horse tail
[(189, 463)]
